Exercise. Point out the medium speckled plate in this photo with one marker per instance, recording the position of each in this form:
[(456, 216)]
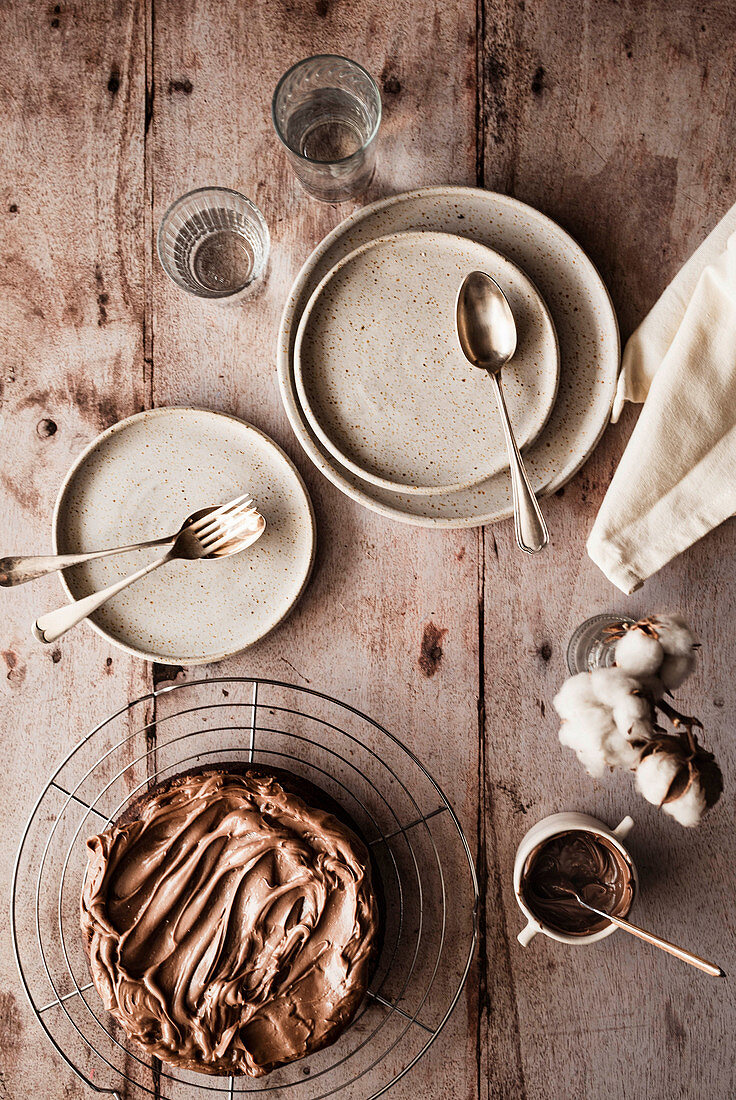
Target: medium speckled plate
[(141, 478), (381, 376), (583, 317)]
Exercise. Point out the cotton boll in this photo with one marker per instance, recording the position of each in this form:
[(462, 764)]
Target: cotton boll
[(680, 776), (676, 669), (638, 653), (621, 695), (574, 695), (620, 752), (585, 739), (639, 731), (689, 808), (633, 718), (593, 735), (654, 776), (675, 636), (611, 686), (589, 705)]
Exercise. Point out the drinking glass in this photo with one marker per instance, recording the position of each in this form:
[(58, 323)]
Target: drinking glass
[(593, 643), (214, 243), (326, 111)]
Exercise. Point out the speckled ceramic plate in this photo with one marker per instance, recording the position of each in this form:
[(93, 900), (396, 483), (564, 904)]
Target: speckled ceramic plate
[(581, 311), (141, 478), (381, 377)]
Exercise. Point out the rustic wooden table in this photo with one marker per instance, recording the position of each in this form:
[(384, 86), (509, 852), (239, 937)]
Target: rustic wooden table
[(616, 118)]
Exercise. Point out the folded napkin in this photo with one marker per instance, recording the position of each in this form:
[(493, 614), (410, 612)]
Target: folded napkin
[(677, 477)]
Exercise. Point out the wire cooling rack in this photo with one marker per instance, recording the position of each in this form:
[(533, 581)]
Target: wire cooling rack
[(418, 846)]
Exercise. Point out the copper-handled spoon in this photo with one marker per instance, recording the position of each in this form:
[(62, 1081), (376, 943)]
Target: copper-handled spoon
[(657, 941)]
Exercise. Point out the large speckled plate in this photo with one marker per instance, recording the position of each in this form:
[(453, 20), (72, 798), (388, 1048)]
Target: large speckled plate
[(381, 377), (583, 317), (140, 479)]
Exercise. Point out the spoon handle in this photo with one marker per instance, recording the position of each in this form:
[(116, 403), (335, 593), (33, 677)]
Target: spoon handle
[(665, 945), (51, 626), (529, 526), (20, 569)]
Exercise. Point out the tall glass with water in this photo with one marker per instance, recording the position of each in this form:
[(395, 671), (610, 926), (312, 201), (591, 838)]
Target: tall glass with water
[(326, 111)]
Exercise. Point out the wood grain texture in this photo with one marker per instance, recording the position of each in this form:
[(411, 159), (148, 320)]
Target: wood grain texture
[(362, 635), (71, 355), (615, 120), (618, 120)]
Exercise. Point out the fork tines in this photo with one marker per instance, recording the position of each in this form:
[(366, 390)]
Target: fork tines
[(227, 525), (241, 506)]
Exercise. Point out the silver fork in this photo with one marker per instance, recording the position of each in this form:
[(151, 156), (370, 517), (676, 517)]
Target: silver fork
[(211, 533), (20, 569)]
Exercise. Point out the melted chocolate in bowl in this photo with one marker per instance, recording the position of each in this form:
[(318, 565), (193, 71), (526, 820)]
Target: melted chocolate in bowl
[(588, 863)]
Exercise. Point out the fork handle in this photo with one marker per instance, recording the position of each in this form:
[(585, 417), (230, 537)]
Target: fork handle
[(19, 570), (52, 625)]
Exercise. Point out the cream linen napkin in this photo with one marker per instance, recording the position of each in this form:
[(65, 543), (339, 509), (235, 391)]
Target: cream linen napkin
[(677, 477)]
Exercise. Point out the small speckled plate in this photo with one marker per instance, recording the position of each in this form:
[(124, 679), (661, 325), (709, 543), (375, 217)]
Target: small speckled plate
[(140, 479), (583, 318), (381, 376)]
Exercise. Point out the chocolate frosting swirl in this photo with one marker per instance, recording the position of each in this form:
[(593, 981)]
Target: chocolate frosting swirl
[(595, 870), (230, 927)]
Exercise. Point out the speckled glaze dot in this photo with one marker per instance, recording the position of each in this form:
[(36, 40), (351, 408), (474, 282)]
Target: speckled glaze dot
[(583, 317), (139, 480), (381, 377)]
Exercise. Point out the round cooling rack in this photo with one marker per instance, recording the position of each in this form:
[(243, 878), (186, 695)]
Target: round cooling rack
[(419, 850)]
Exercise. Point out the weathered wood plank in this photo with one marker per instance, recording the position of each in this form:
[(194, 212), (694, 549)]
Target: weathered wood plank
[(71, 355), (389, 621), (617, 120), (614, 119)]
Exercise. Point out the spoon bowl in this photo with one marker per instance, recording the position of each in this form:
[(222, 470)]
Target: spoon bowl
[(486, 327)]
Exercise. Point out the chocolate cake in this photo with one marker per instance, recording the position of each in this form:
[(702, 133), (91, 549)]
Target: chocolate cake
[(230, 920)]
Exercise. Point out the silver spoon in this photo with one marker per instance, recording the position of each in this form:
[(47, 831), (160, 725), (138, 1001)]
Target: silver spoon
[(20, 569), (221, 535), (657, 941), (487, 333)]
